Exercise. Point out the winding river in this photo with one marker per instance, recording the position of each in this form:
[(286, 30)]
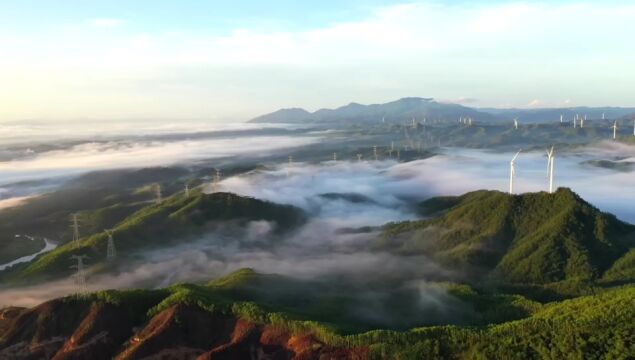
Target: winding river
[(47, 247)]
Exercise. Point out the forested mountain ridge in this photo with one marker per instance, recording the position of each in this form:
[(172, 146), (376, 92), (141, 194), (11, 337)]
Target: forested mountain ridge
[(530, 238)]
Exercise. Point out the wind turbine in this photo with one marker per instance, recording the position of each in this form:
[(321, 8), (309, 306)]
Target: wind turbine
[(516, 123), (561, 118), (550, 161), (512, 172), (614, 129)]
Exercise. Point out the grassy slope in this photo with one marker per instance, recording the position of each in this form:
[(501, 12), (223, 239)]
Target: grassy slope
[(529, 238), (175, 219)]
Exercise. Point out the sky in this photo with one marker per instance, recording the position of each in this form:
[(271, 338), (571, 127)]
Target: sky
[(229, 61)]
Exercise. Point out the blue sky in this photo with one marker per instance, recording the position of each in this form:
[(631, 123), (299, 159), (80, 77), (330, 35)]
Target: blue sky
[(228, 61)]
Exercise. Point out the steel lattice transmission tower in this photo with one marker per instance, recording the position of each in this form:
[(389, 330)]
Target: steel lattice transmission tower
[(290, 165), (111, 252), (216, 181), (157, 193), (80, 276), (75, 226)]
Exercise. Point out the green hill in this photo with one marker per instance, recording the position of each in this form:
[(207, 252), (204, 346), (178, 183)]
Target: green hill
[(176, 219), (169, 321), (530, 238)]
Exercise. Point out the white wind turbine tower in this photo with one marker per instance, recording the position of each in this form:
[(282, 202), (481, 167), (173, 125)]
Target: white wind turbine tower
[(516, 123), (359, 157), (80, 276), (561, 118), (512, 172), (111, 252), (551, 158), (614, 129), (75, 226), (187, 190)]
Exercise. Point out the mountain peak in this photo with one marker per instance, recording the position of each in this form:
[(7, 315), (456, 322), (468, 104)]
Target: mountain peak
[(527, 238)]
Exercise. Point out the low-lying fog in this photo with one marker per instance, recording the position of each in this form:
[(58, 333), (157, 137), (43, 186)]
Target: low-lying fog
[(371, 194), (38, 157)]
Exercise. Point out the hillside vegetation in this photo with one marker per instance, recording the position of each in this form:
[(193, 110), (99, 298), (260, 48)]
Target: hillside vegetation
[(199, 320), (533, 238), (176, 219)]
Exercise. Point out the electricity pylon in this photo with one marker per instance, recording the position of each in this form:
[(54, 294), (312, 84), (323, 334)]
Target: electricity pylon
[(216, 181), (75, 226), (290, 165), (157, 193), (111, 252), (80, 276)]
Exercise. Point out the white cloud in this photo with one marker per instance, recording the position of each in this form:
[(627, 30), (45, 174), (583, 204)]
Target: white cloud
[(133, 154), (105, 22)]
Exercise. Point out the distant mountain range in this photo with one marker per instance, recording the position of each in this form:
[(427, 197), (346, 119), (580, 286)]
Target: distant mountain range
[(406, 109)]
